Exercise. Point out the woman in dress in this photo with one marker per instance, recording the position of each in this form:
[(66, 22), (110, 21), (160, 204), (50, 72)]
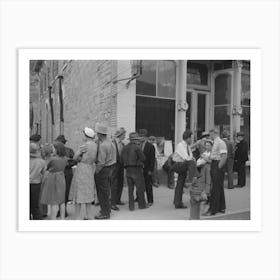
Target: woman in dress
[(83, 184), (54, 187)]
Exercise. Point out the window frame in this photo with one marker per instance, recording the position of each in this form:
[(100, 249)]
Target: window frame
[(156, 82)]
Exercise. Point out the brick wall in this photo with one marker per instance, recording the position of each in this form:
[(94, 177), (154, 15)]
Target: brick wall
[(89, 96)]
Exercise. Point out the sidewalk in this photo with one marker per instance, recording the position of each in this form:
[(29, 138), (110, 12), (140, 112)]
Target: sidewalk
[(237, 203)]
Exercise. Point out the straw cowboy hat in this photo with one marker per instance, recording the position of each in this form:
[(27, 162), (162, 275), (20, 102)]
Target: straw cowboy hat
[(205, 133), (120, 132), (100, 128), (89, 132)]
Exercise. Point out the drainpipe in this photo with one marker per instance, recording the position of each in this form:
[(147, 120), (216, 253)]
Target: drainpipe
[(61, 128), (52, 114)]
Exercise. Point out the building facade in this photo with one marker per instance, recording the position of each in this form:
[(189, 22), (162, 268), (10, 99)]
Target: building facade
[(163, 96)]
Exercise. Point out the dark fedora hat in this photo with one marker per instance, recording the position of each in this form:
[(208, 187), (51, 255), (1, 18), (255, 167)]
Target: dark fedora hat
[(61, 138), (35, 138), (143, 132), (134, 136), (240, 134)]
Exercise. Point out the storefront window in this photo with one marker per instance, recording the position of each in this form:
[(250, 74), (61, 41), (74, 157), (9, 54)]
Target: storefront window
[(166, 79), (197, 74), (245, 103), (223, 89), (245, 123), (246, 65), (156, 115), (223, 64), (222, 117), (146, 83), (222, 102), (245, 89)]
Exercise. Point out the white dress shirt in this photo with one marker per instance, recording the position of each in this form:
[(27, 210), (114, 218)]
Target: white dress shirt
[(219, 148), (183, 152)]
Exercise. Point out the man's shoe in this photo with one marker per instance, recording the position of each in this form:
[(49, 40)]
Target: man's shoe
[(150, 204), (131, 209), (97, 204), (182, 206), (230, 188), (101, 217), (144, 207), (120, 203), (222, 211), (171, 187), (208, 213), (237, 186), (114, 207), (156, 185)]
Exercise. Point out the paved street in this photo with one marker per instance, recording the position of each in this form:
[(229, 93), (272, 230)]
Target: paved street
[(237, 202)]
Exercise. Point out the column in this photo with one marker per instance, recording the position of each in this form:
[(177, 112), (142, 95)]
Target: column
[(181, 103), (236, 109), (126, 97)]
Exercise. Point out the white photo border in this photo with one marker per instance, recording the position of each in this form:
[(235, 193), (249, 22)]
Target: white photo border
[(255, 222)]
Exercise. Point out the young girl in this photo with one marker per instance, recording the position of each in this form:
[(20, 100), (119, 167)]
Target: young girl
[(54, 187)]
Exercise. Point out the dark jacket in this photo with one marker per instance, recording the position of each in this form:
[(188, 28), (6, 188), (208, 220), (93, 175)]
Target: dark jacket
[(70, 162), (149, 152), (241, 151), (132, 156), (230, 148)]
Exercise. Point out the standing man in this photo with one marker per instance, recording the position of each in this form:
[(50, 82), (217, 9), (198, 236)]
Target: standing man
[(149, 163), (68, 172), (184, 163), (106, 158), (133, 159), (218, 160), (230, 159), (118, 171), (241, 156)]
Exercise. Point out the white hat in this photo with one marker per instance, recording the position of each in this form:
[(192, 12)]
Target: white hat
[(89, 132)]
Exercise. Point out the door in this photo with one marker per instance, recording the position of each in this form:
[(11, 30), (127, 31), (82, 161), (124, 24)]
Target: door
[(197, 115)]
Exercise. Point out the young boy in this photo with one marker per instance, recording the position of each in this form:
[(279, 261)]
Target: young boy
[(36, 173)]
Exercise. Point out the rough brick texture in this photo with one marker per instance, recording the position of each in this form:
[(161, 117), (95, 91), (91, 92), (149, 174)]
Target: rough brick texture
[(89, 96)]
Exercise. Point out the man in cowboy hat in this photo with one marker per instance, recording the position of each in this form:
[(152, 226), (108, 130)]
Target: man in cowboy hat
[(68, 172), (133, 159), (149, 163), (200, 144), (118, 170), (241, 156), (106, 158)]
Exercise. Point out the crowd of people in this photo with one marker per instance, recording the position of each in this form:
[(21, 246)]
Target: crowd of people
[(95, 174)]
